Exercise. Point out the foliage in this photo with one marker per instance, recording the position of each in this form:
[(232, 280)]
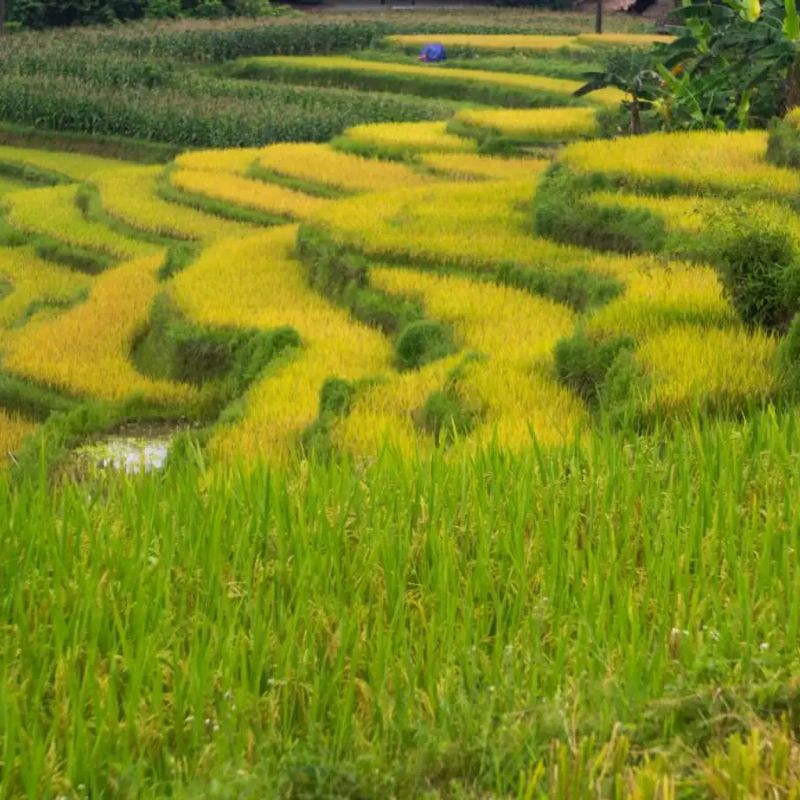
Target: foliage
[(194, 117), (340, 545), (562, 214), (732, 64), (421, 342), (53, 13), (582, 363), (783, 147), (632, 72), (445, 417), (759, 267), (176, 349)]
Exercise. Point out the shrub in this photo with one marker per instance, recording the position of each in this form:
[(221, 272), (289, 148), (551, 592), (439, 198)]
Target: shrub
[(444, 416), (162, 9), (789, 355), (783, 147), (582, 363), (422, 342), (335, 400), (759, 268), (624, 381)]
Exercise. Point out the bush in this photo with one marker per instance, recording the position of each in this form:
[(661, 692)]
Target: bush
[(789, 355), (422, 342), (759, 268), (582, 363), (162, 9), (444, 417), (783, 147), (335, 401), (624, 381)]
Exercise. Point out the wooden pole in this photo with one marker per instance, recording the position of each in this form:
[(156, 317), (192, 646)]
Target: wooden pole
[(598, 20)]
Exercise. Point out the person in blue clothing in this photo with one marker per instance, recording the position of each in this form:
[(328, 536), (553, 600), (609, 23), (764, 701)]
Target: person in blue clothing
[(433, 52)]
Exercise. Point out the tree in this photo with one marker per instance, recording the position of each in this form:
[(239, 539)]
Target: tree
[(632, 72), (734, 64)]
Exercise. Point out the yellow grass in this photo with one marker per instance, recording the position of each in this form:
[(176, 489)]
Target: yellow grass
[(692, 214), (686, 213), (690, 364), (383, 415), (516, 332), (399, 137), (319, 163), (267, 197), (660, 297), (8, 185), (495, 41), (85, 350), (529, 41), (53, 212), (543, 125), (34, 280), (234, 159), (623, 39), (793, 117), (510, 80), (254, 283), (470, 166), (76, 166), (458, 225), (703, 162), (13, 430), (130, 195)]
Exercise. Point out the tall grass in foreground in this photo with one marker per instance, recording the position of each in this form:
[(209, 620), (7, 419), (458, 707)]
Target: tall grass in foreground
[(411, 629)]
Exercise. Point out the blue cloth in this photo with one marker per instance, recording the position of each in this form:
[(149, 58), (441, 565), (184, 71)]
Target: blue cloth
[(433, 52)]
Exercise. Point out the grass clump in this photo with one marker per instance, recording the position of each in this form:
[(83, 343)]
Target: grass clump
[(561, 215), (422, 342), (582, 363), (335, 401), (445, 416), (759, 266), (783, 145)]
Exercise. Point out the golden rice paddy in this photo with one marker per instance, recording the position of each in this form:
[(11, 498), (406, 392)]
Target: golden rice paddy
[(436, 222)]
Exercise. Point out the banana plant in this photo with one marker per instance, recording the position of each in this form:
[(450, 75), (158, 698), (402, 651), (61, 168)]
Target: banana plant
[(733, 64), (632, 71)]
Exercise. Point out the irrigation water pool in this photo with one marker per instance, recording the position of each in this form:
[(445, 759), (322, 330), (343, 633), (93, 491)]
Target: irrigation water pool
[(132, 449)]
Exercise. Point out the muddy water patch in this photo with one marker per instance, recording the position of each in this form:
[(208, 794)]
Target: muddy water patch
[(132, 449)]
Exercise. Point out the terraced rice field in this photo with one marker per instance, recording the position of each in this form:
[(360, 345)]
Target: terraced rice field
[(407, 547), (441, 223)]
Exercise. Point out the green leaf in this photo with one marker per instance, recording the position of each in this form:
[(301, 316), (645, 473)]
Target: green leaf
[(791, 21)]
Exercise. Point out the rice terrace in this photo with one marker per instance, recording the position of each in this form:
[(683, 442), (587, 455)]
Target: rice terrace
[(399, 402)]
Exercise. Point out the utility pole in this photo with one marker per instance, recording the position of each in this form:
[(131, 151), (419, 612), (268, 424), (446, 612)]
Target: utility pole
[(598, 20)]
